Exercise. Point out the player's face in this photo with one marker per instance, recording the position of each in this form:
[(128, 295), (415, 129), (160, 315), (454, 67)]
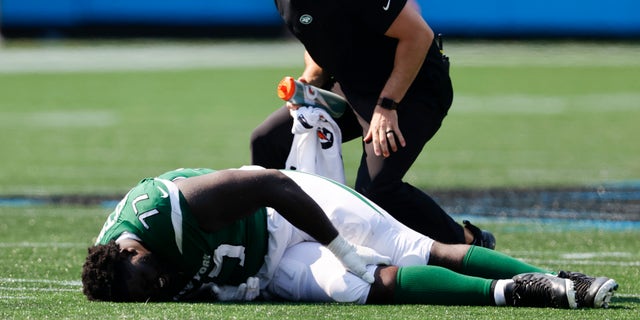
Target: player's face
[(149, 279)]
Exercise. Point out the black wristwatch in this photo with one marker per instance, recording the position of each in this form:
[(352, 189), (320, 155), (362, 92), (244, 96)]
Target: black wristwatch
[(387, 103)]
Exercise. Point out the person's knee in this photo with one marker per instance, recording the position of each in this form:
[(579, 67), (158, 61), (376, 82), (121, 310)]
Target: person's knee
[(268, 147), (256, 141), (259, 137), (383, 288), (377, 191), (259, 147), (274, 128)]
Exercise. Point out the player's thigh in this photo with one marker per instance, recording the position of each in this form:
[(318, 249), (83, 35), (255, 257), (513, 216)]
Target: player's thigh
[(363, 222), (310, 272)]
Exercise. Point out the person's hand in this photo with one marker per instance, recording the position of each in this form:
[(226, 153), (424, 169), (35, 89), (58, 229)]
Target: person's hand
[(244, 292), (293, 106), (384, 132), (356, 258)]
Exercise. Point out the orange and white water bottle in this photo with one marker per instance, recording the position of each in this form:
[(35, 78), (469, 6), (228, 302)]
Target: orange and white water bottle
[(297, 92)]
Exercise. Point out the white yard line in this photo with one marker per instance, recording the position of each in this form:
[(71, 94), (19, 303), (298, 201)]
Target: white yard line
[(16, 297), (543, 54), (573, 255), (153, 56), (74, 283), (26, 244), (117, 56), (22, 289), (583, 262), (547, 104), (89, 118)]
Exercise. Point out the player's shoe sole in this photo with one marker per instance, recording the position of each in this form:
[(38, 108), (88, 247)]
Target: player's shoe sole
[(591, 292), (605, 293)]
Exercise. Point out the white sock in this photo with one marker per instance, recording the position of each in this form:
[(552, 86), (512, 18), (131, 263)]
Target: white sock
[(498, 292)]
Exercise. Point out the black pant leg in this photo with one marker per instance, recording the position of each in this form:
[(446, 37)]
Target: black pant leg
[(271, 141), (414, 208)]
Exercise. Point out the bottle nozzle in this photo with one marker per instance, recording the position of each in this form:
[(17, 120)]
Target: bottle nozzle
[(286, 88)]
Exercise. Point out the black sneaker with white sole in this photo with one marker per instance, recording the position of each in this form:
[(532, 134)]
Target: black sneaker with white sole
[(540, 290), (591, 292)]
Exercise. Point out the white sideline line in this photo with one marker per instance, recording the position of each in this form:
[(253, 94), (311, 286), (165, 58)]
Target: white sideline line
[(571, 255), (17, 297), (26, 244), (546, 105), (149, 56), (114, 56), (596, 255), (88, 118), (39, 289), (45, 281), (583, 262), (551, 54)]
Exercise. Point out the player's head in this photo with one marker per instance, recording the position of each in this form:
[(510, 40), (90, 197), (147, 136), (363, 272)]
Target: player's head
[(112, 273)]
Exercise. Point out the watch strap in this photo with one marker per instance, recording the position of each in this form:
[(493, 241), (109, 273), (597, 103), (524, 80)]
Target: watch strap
[(387, 103)]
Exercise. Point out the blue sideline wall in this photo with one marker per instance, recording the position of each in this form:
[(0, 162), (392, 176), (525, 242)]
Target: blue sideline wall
[(487, 18), (67, 13)]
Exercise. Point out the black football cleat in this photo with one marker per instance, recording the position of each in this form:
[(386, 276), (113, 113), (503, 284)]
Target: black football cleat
[(481, 238), (540, 290), (591, 292)]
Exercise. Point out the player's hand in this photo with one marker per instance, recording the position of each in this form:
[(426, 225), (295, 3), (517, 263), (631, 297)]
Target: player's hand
[(356, 258), (384, 132), (244, 292)]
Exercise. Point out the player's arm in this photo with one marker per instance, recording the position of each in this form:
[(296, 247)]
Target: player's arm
[(414, 39), (219, 198)]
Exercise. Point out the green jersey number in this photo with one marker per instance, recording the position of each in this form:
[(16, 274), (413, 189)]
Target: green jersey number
[(144, 215), (225, 250)]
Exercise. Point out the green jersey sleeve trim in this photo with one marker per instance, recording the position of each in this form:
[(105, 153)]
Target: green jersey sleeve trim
[(176, 212)]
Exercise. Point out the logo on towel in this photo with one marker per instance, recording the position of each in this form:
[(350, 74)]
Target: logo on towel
[(304, 122), (326, 138)]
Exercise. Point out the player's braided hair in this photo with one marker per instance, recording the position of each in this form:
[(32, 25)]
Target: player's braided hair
[(104, 273)]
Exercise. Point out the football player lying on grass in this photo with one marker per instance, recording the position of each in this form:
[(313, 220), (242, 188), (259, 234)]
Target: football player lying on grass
[(253, 233)]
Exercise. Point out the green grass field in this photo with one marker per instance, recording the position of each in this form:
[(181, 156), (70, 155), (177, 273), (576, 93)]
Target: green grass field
[(92, 119)]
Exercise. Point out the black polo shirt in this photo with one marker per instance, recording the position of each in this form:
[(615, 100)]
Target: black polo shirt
[(346, 38)]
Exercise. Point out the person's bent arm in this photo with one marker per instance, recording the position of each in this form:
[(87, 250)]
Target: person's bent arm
[(220, 198), (414, 39), (313, 74)]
